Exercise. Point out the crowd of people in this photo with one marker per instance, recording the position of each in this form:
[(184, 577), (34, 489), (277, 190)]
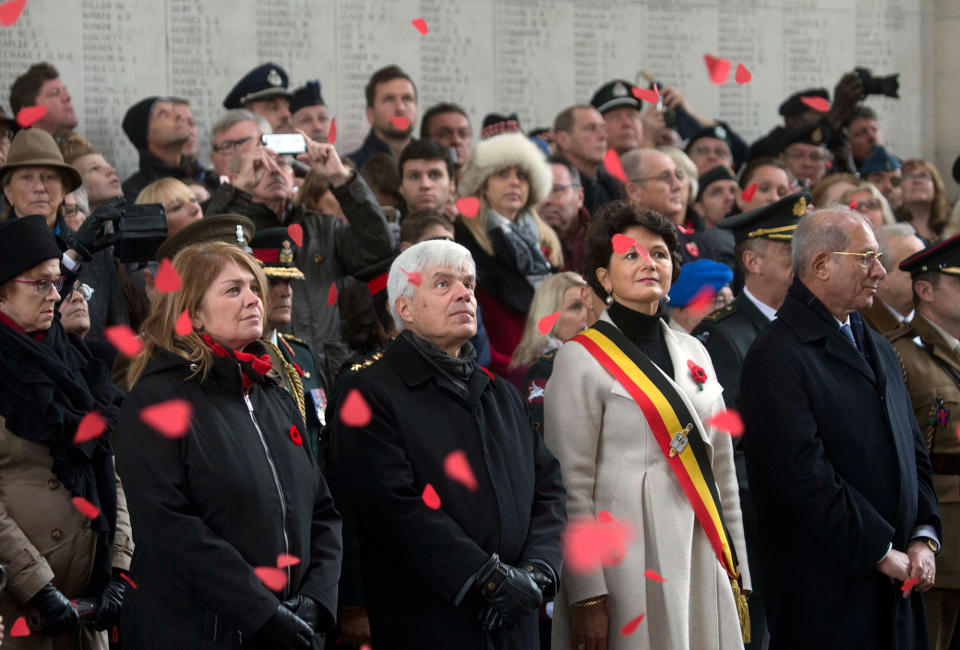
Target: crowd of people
[(623, 381)]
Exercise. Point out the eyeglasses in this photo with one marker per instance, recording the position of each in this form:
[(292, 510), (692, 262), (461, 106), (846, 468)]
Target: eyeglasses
[(665, 177), (229, 145), (703, 150), (919, 176), (85, 290), (70, 210), (560, 189), (867, 204), (813, 156), (43, 286), (866, 259)]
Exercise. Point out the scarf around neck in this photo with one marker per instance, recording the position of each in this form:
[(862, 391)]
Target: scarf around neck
[(253, 369), (522, 238)]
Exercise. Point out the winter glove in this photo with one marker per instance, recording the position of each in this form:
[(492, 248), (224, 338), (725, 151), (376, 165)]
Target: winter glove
[(92, 236), (511, 592), (59, 616), (284, 630), (543, 575), (109, 604), (489, 619), (310, 610)]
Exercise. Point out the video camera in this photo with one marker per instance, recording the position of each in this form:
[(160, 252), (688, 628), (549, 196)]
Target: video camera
[(138, 230), (888, 86)]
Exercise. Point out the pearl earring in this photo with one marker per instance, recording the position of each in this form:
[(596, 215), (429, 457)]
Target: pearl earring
[(609, 299), (666, 299)]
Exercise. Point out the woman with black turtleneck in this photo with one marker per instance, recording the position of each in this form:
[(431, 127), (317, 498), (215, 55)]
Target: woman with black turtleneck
[(598, 424)]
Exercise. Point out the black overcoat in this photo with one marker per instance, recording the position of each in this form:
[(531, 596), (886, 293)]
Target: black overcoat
[(206, 509), (415, 560), (838, 471)]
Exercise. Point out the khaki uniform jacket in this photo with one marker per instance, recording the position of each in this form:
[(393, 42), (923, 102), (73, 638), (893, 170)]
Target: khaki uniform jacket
[(44, 538), (920, 347)]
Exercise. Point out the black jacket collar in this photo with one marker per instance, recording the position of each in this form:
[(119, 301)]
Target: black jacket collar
[(415, 371)]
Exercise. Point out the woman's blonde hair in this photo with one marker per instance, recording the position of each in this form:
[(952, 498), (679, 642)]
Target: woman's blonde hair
[(847, 196), (939, 210), (198, 266), (547, 299), (163, 191), (820, 190), (546, 235)]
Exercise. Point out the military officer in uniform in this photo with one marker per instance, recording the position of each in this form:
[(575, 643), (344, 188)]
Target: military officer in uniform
[(291, 356), (929, 352), (762, 251)]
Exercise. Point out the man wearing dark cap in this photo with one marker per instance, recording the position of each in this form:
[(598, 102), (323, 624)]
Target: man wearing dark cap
[(391, 111), (581, 138), (274, 248), (929, 352), (885, 172), (263, 91), (710, 147), (621, 111), (309, 111), (804, 151), (158, 131), (449, 125), (702, 275), (716, 195)]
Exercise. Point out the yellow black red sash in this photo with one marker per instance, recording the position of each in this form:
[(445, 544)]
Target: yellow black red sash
[(672, 425)]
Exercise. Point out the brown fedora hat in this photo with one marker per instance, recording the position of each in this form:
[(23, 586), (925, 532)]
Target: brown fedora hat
[(37, 148)]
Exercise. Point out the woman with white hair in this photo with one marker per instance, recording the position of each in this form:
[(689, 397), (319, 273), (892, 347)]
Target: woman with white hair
[(459, 504), (513, 247)]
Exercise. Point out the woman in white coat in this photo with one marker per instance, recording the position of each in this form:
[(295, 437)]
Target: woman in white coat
[(612, 461)]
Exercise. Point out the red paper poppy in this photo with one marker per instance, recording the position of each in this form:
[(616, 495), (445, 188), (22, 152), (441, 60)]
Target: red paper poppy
[(295, 435), (699, 374)]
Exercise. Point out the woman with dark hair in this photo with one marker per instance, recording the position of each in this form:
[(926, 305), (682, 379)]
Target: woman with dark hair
[(238, 541), (626, 414), (924, 200), (63, 527)]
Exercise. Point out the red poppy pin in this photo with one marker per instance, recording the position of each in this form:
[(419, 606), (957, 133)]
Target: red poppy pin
[(693, 249), (295, 435), (699, 374)]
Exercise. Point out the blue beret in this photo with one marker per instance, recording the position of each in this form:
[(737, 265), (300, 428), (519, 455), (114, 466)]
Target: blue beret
[(695, 276), (880, 160)]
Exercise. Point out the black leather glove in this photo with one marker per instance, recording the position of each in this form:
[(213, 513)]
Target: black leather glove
[(59, 616), (489, 619), (109, 604), (510, 591), (92, 236), (542, 574), (284, 630), (312, 612)]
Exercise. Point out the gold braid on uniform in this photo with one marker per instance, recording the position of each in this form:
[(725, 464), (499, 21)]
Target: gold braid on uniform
[(293, 378)]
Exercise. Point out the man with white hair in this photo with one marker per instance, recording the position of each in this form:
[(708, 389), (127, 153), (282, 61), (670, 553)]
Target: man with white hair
[(837, 466), (893, 305), (460, 505)]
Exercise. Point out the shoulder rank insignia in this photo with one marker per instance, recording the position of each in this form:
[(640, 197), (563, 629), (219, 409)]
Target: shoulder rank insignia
[(291, 337), (721, 313), (366, 363)]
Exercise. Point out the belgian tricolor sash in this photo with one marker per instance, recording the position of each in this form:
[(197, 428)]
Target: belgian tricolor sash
[(678, 435)]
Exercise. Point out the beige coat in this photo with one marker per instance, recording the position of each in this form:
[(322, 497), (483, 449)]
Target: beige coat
[(43, 538), (611, 461)]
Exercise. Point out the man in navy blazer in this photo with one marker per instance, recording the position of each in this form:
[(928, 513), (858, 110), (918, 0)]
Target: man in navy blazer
[(837, 465)]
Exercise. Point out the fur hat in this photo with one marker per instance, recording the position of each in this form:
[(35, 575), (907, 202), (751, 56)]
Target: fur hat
[(506, 150)]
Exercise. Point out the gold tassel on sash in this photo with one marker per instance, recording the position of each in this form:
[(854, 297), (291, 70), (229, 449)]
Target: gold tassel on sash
[(743, 611)]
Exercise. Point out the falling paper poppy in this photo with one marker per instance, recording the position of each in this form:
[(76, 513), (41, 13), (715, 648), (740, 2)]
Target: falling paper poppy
[(413, 277), (816, 103), (295, 230), (124, 339), (85, 508), (20, 627), (590, 543), (909, 584), (728, 421), (622, 243), (167, 280), (702, 302), (91, 426), (547, 322), (128, 580), (275, 579), (458, 468), (401, 122), (742, 75), (749, 193), (647, 94), (9, 14), (354, 412), (332, 132), (285, 559), (170, 419), (611, 162), (431, 498), (718, 69), (604, 517), (650, 574), (631, 627), (468, 206), (184, 324), (30, 114), (420, 24), (332, 294)]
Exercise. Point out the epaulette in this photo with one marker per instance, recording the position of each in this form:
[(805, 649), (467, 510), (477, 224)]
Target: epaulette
[(549, 355), (720, 314), (901, 331), (291, 337), (366, 363)]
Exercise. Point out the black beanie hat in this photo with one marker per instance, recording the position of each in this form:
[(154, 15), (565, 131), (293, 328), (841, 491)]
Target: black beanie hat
[(136, 121), (24, 243)]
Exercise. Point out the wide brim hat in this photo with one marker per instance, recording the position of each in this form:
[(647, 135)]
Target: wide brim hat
[(506, 150), (37, 148)]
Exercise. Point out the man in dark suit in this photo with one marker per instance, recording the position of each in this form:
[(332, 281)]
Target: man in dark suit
[(459, 504), (838, 469)]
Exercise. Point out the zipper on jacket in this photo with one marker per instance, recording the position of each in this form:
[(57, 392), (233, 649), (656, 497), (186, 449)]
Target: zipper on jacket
[(276, 481)]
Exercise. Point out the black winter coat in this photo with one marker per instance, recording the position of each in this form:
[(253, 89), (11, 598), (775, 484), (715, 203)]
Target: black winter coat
[(416, 561), (838, 470), (210, 507)]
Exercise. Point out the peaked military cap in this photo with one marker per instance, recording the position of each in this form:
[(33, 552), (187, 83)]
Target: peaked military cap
[(263, 82), (718, 173), (231, 228), (614, 94), (274, 249), (717, 131), (816, 133), (793, 105), (306, 95), (943, 257), (880, 160), (776, 221)]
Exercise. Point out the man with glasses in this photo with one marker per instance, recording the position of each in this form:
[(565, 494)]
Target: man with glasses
[(709, 148), (563, 210), (837, 465), (655, 182), (236, 130), (893, 305), (581, 138), (74, 310), (804, 152)]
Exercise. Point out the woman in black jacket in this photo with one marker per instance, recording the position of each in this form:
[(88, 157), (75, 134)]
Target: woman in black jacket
[(221, 503)]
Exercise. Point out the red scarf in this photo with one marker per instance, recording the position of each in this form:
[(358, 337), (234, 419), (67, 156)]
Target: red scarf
[(252, 367)]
